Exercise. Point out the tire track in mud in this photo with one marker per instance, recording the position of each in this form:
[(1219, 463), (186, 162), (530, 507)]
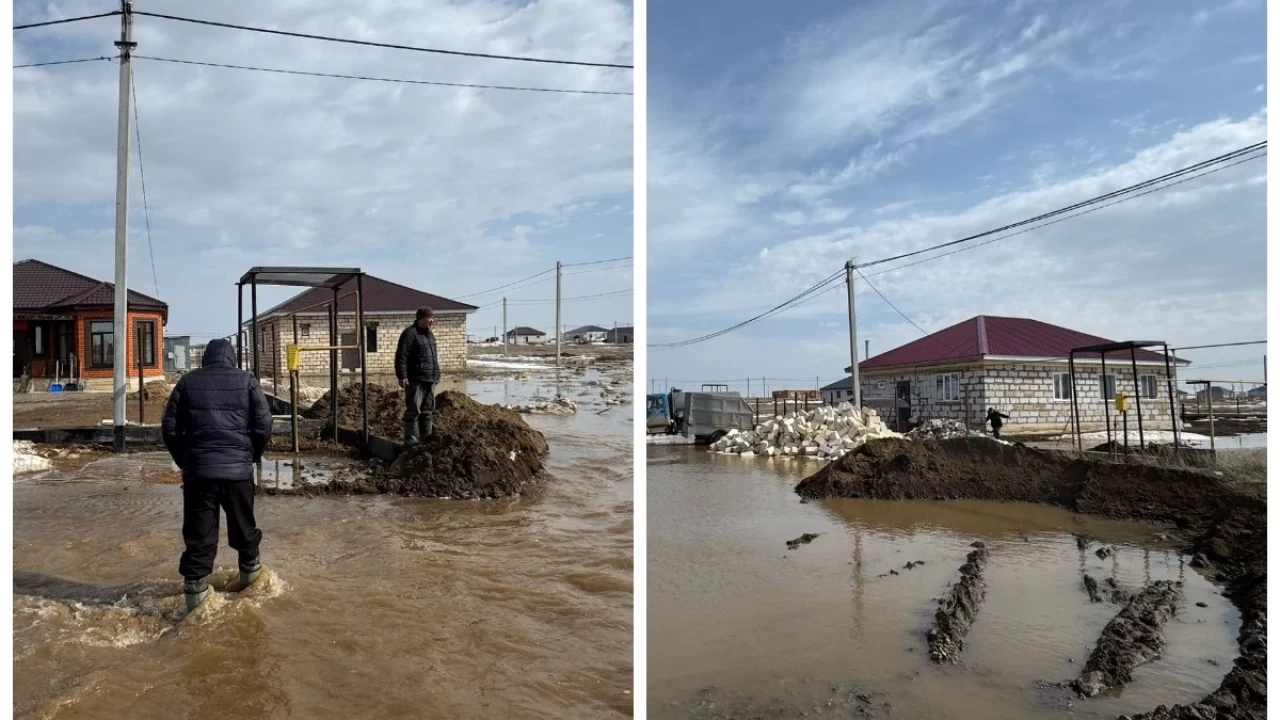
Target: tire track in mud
[(1134, 637), (957, 611), (1220, 523)]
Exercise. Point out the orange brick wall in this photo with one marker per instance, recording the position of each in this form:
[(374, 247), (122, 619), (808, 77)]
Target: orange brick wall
[(82, 345)]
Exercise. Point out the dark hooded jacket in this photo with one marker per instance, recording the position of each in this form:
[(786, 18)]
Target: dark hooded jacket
[(416, 356), (217, 422)]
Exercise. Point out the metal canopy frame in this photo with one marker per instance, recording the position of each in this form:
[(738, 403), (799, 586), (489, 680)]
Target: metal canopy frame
[(1101, 351), (334, 279)]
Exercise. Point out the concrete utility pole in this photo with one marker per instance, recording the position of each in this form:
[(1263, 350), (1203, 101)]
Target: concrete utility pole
[(558, 266), (853, 337), (120, 337), (504, 326)]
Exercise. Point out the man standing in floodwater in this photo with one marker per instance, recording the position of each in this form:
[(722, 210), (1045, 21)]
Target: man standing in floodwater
[(997, 421), (418, 370), (216, 426)]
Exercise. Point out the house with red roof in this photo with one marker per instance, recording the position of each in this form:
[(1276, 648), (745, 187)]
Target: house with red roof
[(389, 308), (64, 320), (1017, 366)]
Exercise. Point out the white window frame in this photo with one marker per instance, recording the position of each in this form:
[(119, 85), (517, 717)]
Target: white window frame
[(1155, 386), (1062, 382), (1102, 386), (947, 386)]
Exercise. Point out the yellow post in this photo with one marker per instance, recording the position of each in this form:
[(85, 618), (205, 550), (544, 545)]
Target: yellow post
[(1122, 402), (293, 354)]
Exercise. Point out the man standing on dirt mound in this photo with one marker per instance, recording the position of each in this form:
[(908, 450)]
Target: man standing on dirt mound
[(216, 426), (418, 370), (996, 418)]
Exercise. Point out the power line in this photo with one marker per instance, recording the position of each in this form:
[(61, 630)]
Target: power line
[(890, 304), (503, 287), (578, 297), (1245, 154), (1124, 199), (596, 270), (771, 311), (1093, 201), (61, 62), (307, 73), (142, 175), (47, 23), (368, 43), (596, 262)]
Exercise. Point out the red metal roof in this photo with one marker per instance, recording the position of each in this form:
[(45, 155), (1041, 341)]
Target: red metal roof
[(40, 286), (988, 336), (380, 296)]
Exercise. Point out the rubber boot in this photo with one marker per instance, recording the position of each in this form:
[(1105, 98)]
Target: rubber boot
[(196, 592), (411, 434), (424, 427), (247, 577)]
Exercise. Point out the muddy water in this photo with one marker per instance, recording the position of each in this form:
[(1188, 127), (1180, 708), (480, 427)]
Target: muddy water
[(375, 607), (737, 620)]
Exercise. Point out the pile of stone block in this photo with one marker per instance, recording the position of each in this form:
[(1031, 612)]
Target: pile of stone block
[(562, 407), (828, 432), (26, 459), (942, 429)]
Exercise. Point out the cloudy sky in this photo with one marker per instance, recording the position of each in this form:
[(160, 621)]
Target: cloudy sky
[(453, 191), (786, 138)]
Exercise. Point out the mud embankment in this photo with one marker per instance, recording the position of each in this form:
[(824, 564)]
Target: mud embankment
[(956, 613), (1133, 637), (1222, 524), (475, 451)]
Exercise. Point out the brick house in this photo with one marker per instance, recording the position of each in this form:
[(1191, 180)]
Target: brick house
[(526, 335), (1016, 365), (61, 318), (388, 309), (621, 335)]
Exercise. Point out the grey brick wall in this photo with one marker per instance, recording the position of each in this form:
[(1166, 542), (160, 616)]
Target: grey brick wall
[(450, 331), (1025, 393)]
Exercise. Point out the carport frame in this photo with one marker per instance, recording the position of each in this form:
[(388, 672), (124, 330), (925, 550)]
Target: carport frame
[(1132, 346), (310, 277)]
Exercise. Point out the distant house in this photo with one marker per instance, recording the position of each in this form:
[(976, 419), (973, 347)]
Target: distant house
[(389, 308), (621, 335), (527, 335), (1016, 365), (1219, 393), (1258, 393), (585, 334), (62, 318)]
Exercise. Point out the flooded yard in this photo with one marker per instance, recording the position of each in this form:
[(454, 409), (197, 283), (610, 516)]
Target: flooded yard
[(372, 606), (741, 625)]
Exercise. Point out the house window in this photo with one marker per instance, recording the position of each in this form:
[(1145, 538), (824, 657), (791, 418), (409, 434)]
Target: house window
[(66, 344), (1108, 383), (1148, 383), (305, 329), (145, 343), (39, 340), (1061, 386), (371, 337), (949, 387), (102, 343)]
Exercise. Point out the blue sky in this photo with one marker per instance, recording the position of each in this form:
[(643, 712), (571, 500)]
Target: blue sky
[(452, 191), (785, 138)]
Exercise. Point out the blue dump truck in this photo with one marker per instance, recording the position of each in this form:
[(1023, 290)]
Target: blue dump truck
[(703, 417)]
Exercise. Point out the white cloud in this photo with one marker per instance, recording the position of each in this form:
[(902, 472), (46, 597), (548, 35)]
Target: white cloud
[(422, 185)]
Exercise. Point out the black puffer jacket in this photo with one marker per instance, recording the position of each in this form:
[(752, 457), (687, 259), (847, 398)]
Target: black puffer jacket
[(217, 422), (416, 357)]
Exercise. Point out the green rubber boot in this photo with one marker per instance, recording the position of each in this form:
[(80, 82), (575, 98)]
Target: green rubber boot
[(247, 577), (196, 592), (411, 434)]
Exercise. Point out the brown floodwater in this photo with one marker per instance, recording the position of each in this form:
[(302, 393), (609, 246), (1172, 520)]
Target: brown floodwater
[(740, 625), (371, 606)]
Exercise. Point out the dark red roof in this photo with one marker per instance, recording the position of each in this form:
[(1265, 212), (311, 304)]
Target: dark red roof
[(380, 296), (39, 286), (987, 336)]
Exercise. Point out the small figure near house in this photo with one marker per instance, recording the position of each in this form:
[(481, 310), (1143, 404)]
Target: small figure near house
[(418, 370), (997, 421), (216, 427)]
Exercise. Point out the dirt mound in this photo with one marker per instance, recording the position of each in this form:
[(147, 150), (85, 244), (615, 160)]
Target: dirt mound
[(386, 409), (956, 613), (475, 451), (1132, 638), (1223, 524)]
